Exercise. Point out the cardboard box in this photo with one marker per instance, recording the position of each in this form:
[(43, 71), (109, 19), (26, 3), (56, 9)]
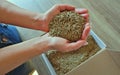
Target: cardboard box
[(104, 62)]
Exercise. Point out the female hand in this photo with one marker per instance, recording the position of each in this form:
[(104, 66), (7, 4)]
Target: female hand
[(56, 9), (62, 44)]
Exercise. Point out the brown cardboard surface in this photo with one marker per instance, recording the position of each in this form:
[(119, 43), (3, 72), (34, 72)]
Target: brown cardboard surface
[(115, 55), (104, 62)]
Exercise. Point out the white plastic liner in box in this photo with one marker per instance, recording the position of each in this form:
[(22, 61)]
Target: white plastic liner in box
[(51, 70)]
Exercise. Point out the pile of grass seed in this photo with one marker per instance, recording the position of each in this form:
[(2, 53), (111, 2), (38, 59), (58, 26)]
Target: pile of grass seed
[(69, 25)]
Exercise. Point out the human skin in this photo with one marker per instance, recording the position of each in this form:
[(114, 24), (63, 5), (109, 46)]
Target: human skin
[(15, 55)]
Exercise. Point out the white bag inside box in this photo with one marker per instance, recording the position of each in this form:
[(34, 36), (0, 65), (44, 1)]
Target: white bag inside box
[(105, 62)]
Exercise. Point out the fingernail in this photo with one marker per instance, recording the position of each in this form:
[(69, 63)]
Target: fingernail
[(86, 43)]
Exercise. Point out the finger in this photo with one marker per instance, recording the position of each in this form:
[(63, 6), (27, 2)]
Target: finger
[(63, 7), (86, 31), (75, 45), (81, 10), (86, 16)]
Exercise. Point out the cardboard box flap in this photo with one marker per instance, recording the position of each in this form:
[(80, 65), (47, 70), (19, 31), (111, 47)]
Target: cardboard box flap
[(115, 54), (102, 63)]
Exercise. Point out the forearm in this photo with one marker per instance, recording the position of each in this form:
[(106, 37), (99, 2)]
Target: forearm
[(15, 55), (12, 14)]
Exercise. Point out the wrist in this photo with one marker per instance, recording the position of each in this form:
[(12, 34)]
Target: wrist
[(41, 44)]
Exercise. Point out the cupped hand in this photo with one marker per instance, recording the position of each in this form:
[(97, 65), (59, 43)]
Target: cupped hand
[(56, 9), (64, 45)]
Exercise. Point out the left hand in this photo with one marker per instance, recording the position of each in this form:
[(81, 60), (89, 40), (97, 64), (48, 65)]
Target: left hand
[(60, 44)]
